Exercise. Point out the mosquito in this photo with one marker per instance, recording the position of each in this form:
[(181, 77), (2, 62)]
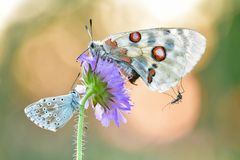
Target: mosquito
[(178, 95)]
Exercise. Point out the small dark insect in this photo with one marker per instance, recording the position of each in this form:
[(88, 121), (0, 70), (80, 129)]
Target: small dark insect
[(178, 96)]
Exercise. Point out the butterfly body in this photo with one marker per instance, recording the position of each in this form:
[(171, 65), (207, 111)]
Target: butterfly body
[(160, 56), (52, 113), (99, 49)]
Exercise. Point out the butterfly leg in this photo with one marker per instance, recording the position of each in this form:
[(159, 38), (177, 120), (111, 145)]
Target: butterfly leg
[(96, 62), (79, 57)]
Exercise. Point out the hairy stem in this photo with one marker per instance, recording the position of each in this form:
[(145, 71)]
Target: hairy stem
[(80, 125)]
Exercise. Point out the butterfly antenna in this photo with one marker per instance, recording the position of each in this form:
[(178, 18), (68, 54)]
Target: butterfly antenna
[(89, 33), (74, 82), (91, 28)]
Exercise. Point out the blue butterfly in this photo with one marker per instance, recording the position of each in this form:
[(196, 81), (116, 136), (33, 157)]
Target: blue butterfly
[(52, 113)]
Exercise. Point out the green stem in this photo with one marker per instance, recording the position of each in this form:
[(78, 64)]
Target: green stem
[(80, 125)]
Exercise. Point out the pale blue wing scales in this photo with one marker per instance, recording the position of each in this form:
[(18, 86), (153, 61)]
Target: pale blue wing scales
[(53, 112)]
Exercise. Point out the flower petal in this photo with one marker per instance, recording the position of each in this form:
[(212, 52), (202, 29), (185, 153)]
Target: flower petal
[(99, 112), (105, 121), (121, 117), (86, 104), (111, 83), (81, 89)]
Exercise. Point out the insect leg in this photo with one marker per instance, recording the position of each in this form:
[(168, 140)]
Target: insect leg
[(169, 95), (174, 92), (181, 85)]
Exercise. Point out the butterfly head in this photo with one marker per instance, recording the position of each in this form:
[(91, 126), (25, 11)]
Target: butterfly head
[(74, 93), (75, 98), (96, 48)]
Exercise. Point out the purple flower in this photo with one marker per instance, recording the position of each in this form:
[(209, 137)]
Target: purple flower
[(109, 96)]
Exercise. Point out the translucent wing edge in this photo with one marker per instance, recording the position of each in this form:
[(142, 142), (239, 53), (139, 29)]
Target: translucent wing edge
[(195, 50)]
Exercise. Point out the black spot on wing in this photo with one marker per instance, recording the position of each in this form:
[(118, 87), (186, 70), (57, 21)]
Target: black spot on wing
[(154, 65), (151, 38), (166, 31)]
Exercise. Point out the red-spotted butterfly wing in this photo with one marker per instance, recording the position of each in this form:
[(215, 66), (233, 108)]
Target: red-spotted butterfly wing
[(161, 56)]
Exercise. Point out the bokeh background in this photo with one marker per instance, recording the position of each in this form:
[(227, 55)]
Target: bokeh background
[(39, 41)]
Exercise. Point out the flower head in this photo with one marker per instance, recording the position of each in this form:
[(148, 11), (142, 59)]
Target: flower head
[(109, 97)]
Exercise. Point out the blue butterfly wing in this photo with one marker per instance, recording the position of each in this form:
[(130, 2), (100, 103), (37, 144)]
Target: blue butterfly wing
[(52, 113)]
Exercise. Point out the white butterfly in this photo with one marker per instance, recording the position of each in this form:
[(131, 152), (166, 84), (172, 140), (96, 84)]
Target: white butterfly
[(160, 56), (52, 113)]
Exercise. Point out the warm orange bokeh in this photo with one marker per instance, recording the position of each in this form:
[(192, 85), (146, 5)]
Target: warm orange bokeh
[(151, 123)]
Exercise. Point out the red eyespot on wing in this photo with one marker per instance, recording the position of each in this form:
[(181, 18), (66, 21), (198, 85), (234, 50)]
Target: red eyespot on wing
[(149, 78), (151, 72), (159, 53), (135, 37)]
